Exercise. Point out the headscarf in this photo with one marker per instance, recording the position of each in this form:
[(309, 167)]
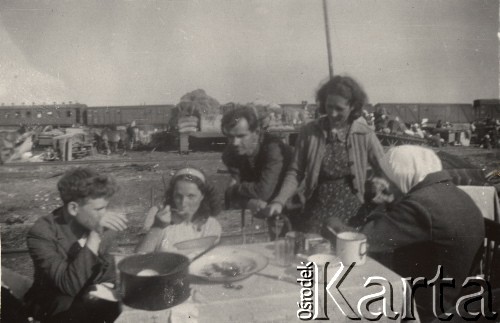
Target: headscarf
[(411, 164)]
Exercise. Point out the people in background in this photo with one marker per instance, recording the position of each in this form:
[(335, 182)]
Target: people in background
[(188, 212), (380, 120), (417, 131), (433, 224), (256, 160), (331, 160), (132, 134), (369, 119), (70, 251)]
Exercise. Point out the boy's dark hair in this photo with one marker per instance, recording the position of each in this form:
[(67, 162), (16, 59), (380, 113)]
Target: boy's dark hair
[(233, 116), (80, 184)]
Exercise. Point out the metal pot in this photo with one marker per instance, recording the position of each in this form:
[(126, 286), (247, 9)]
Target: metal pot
[(169, 285)]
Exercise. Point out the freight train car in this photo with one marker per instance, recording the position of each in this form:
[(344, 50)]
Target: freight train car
[(486, 109), (414, 112), (155, 115), (64, 115)]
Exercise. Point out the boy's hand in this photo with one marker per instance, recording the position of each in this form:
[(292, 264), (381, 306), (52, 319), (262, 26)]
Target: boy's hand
[(113, 221)]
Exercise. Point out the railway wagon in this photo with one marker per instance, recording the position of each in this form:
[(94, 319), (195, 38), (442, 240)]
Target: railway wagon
[(415, 112), (486, 108), (64, 115), (155, 115)]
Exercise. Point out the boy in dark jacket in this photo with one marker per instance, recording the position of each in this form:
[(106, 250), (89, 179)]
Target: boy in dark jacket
[(70, 251)]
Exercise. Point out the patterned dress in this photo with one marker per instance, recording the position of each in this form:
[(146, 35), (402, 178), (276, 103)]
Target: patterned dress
[(333, 197)]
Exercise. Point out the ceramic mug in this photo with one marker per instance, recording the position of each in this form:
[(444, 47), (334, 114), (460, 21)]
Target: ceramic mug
[(352, 247)]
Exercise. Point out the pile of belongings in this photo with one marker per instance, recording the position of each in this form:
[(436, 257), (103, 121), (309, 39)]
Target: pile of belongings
[(15, 145), (273, 116), (192, 106)]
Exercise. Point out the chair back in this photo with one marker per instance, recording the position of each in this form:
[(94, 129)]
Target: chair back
[(491, 255), (486, 200)]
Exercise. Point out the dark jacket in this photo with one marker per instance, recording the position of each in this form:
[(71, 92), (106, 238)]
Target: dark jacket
[(260, 176), (436, 223), (63, 269)]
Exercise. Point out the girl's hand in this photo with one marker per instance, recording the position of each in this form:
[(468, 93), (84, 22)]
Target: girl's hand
[(164, 216)]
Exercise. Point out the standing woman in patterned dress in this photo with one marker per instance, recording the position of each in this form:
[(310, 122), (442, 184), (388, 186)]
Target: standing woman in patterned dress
[(334, 156)]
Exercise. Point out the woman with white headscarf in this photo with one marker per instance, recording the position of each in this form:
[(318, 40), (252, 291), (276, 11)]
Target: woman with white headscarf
[(433, 224)]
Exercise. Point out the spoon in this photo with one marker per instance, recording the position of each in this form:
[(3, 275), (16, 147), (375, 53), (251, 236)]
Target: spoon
[(332, 230), (197, 256)]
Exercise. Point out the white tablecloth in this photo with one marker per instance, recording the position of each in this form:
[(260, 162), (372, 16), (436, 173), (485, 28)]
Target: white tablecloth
[(263, 299)]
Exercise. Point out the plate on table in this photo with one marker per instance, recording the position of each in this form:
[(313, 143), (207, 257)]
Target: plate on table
[(227, 264), (199, 243), (192, 248)]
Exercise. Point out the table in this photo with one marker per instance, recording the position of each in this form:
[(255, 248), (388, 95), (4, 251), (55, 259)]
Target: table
[(266, 299)]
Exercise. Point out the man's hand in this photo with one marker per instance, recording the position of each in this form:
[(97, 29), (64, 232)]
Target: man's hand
[(273, 208), (256, 206)]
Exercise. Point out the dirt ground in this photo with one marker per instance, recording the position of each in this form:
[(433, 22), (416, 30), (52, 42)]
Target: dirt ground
[(29, 192)]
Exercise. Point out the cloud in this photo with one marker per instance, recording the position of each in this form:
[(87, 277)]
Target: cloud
[(21, 82)]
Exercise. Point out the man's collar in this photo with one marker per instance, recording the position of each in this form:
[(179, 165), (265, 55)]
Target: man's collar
[(64, 217)]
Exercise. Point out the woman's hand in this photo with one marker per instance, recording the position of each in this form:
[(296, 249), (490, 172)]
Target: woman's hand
[(273, 208), (382, 190), (163, 217)]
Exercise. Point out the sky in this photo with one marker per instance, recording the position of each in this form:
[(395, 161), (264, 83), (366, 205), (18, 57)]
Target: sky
[(127, 52)]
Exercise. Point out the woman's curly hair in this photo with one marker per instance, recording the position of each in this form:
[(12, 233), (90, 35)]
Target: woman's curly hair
[(209, 206), (347, 88)]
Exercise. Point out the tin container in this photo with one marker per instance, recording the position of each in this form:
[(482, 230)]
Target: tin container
[(311, 240)]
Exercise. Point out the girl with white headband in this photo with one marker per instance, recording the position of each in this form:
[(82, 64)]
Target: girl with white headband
[(188, 213)]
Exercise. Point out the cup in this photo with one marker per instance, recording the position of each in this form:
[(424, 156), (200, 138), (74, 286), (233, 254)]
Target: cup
[(284, 251), (352, 247)]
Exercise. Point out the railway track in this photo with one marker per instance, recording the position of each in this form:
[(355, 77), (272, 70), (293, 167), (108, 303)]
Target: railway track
[(115, 161)]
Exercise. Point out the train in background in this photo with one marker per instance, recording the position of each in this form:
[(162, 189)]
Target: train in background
[(455, 113), (77, 114), (159, 116)]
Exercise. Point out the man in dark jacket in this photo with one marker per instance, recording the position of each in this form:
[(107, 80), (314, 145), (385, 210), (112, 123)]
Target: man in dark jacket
[(256, 160), (434, 224), (70, 248)]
